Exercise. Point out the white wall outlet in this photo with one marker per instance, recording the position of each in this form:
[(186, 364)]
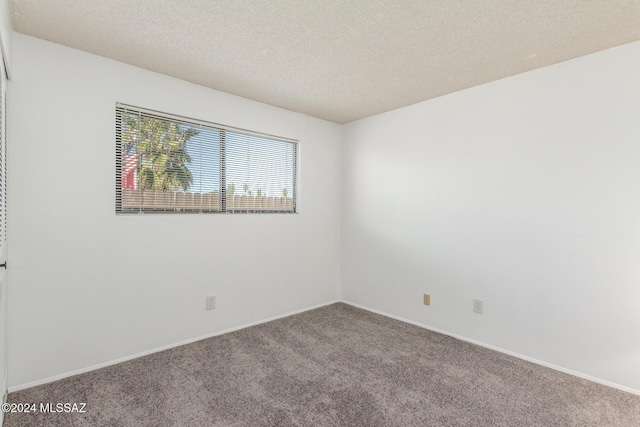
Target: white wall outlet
[(478, 306), (211, 302)]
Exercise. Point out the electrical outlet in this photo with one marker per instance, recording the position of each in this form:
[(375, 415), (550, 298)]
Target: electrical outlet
[(478, 306), (211, 302), (427, 299)]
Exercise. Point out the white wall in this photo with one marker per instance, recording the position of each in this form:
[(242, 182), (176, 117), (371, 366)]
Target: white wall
[(89, 287), (5, 33), (524, 193)]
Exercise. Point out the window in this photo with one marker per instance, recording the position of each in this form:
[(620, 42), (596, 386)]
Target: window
[(170, 164)]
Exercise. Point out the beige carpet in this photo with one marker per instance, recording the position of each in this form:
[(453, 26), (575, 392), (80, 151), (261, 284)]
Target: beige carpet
[(333, 366)]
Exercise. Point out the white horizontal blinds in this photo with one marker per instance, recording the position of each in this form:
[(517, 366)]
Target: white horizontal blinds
[(260, 173), (168, 163), (165, 165)]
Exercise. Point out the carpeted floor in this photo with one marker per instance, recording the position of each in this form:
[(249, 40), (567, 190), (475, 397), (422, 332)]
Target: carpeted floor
[(333, 366)]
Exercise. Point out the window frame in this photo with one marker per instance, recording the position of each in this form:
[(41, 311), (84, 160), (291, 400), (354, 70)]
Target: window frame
[(122, 109)]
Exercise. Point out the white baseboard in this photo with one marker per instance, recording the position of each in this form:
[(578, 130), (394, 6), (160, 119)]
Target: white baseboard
[(501, 350), (402, 319), (155, 350)]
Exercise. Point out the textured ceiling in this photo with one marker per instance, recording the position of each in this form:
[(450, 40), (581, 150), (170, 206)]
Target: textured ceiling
[(338, 60)]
